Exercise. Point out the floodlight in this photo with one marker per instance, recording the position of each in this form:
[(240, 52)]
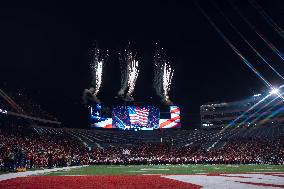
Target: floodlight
[(274, 91)]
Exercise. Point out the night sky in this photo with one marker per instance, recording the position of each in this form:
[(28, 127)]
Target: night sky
[(46, 51)]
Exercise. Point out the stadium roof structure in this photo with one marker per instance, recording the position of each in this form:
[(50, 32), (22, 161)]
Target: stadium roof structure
[(11, 107)]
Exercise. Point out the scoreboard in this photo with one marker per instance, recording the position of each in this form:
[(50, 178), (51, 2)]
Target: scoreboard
[(134, 117)]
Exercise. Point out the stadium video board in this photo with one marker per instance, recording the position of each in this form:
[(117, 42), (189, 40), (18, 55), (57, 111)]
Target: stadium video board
[(169, 117), (134, 117), (100, 116)]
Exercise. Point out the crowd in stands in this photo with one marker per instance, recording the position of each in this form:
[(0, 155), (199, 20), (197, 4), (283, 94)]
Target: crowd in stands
[(23, 145), (250, 151)]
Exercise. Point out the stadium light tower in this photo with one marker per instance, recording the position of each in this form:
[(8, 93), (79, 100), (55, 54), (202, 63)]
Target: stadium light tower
[(274, 91)]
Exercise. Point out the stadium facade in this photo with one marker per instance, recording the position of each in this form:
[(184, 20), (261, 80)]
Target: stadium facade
[(260, 109)]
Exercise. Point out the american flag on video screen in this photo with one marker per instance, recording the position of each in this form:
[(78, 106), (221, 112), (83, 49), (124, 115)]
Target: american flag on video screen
[(173, 121), (138, 115)]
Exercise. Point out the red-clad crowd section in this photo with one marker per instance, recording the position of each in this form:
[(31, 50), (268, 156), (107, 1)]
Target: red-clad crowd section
[(25, 145)]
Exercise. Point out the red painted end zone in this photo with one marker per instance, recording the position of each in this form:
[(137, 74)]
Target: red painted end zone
[(107, 182)]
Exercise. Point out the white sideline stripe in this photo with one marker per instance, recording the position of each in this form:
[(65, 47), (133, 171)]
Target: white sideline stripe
[(232, 166), (36, 172), (151, 174), (266, 172), (217, 182), (271, 169), (154, 169)]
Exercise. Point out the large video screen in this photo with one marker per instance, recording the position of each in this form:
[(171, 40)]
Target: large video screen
[(170, 118), (100, 116), (134, 117)]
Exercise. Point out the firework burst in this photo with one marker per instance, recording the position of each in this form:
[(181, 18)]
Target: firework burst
[(129, 74), (96, 67), (163, 76)]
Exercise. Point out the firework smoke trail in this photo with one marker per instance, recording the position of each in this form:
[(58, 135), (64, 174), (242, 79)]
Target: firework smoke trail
[(267, 18), (129, 74), (163, 76), (245, 40), (232, 46), (268, 43)]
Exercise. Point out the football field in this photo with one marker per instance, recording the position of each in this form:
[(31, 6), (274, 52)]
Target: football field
[(168, 169), (151, 176)]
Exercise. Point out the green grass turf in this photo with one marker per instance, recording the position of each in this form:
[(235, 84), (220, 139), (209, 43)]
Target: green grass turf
[(167, 169)]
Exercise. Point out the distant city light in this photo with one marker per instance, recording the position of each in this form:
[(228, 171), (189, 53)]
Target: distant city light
[(256, 95)]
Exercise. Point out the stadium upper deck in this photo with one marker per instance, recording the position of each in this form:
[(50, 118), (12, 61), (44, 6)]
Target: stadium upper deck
[(258, 109)]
